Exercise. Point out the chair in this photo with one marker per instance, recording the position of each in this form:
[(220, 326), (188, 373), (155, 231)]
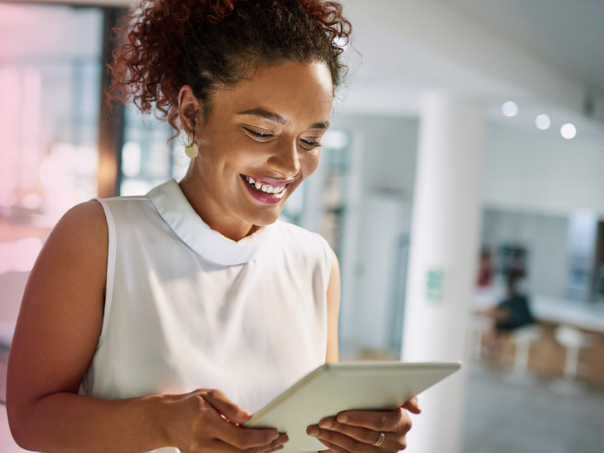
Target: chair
[(478, 326), (524, 337), (573, 340)]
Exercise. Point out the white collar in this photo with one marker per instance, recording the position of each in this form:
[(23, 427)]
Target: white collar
[(177, 212)]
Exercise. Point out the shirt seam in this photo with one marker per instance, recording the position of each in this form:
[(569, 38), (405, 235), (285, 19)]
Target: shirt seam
[(111, 260)]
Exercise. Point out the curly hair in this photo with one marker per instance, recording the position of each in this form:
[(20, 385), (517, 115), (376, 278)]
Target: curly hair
[(207, 44)]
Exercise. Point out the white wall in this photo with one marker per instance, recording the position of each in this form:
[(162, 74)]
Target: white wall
[(386, 221), (542, 172), (525, 171), (545, 237), (384, 175), (390, 144)]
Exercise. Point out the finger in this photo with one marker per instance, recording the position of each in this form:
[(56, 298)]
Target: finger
[(338, 439), (275, 445), (224, 447), (275, 449), (219, 401), (332, 448), (374, 420), (245, 438), (412, 406), (393, 441), (365, 435)]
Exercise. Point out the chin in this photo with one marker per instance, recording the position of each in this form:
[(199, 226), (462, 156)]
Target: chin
[(266, 218)]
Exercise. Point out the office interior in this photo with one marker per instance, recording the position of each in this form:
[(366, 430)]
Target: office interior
[(517, 91)]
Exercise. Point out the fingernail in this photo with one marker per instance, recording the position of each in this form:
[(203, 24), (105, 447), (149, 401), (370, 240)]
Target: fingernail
[(326, 423), (314, 432), (342, 418), (243, 413), (275, 436), (283, 438)]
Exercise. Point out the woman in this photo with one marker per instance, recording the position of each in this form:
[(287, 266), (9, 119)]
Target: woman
[(159, 322)]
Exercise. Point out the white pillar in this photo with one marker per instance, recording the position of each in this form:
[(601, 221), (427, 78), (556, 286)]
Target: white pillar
[(442, 262)]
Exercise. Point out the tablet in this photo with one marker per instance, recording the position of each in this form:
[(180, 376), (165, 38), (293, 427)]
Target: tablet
[(337, 387)]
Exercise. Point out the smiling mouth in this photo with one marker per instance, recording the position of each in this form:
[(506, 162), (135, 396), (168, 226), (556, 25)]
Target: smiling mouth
[(265, 190), (265, 185)]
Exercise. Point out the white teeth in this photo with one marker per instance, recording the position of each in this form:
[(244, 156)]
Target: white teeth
[(264, 187)]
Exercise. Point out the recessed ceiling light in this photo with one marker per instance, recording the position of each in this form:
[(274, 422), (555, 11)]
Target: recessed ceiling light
[(568, 131), (509, 109), (543, 122)]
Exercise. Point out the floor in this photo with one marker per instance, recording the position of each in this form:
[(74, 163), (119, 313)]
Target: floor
[(503, 415), (511, 415)]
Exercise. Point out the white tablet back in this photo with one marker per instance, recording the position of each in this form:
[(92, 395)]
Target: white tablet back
[(338, 387)]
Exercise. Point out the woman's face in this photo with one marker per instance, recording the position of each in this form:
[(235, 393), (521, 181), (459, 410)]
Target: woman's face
[(259, 142)]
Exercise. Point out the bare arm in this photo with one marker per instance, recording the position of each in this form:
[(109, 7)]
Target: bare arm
[(333, 310), (55, 339)]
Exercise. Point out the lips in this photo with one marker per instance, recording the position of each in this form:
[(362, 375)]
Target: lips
[(272, 183), (265, 190)]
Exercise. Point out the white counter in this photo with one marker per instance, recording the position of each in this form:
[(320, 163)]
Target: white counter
[(550, 309)]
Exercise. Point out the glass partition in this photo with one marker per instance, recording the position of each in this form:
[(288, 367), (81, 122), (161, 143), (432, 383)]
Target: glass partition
[(49, 86)]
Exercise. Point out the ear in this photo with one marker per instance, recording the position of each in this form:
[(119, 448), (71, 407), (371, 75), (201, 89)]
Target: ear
[(189, 109)]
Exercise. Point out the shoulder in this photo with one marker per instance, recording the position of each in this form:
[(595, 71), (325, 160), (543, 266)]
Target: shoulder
[(301, 241), (298, 235), (307, 247), (84, 222), (126, 205), (80, 236)]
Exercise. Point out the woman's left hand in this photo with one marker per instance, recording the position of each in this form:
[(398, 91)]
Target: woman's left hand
[(360, 431)]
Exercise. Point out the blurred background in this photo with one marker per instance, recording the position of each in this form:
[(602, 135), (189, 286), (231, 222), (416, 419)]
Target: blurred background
[(466, 154)]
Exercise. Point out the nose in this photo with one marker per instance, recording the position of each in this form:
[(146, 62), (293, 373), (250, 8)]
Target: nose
[(285, 160)]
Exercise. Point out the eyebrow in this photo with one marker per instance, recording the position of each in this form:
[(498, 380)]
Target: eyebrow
[(279, 119)]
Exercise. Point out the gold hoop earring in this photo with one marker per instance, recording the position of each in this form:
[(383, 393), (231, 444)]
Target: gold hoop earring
[(191, 149)]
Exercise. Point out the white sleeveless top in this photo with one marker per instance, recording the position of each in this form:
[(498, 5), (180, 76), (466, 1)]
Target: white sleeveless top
[(188, 308)]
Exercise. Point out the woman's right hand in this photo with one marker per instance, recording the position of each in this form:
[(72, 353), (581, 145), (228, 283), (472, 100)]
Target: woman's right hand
[(207, 421)]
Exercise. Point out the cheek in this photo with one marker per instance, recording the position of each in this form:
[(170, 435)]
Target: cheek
[(309, 163), (227, 156)]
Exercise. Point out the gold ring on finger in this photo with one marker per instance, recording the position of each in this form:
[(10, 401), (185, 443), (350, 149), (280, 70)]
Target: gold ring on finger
[(380, 440)]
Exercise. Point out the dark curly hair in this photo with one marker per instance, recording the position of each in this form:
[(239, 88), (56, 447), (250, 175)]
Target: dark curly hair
[(211, 43)]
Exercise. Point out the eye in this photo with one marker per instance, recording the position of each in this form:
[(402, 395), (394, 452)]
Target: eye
[(310, 144), (257, 135)]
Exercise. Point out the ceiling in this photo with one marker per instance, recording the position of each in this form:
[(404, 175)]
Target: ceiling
[(568, 34), (389, 73), (538, 53)]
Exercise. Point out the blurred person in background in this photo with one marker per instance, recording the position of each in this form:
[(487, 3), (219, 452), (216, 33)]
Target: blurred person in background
[(159, 322), (509, 314), (486, 269), (599, 283)]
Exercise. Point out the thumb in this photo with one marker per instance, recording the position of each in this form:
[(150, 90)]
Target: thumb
[(229, 410), (412, 406)]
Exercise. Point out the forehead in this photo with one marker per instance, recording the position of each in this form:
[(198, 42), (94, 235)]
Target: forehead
[(293, 90)]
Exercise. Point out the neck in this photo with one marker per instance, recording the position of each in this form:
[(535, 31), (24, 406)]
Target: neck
[(212, 213)]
